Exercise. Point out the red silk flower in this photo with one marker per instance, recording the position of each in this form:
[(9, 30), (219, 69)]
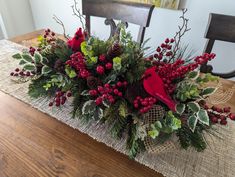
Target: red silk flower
[(154, 86), (75, 42)]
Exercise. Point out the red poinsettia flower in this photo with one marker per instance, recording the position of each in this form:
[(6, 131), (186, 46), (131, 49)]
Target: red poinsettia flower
[(75, 42)]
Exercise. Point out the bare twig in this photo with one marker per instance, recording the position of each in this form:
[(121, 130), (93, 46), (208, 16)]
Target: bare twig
[(182, 30), (61, 24), (77, 13)]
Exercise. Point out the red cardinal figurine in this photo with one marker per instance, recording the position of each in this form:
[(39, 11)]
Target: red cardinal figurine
[(154, 85)]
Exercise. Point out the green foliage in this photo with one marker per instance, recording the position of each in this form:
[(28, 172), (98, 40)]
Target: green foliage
[(62, 51), (134, 144), (180, 108), (98, 46), (58, 81), (70, 72), (195, 139)]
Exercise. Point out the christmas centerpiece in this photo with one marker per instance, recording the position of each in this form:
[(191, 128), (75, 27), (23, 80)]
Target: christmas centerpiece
[(148, 99)]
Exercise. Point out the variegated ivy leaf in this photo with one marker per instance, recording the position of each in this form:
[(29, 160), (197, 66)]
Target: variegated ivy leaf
[(192, 122), (89, 107), (27, 57), (37, 57), (194, 75), (208, 91), (98, 113), (203, 117), (22, 62), (46, 70), (29, 67), (17, 56), (193, 106), (85, 93), (180, 108), (44, 61)]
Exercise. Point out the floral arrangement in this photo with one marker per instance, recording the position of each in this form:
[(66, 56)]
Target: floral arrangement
[(113, 82)]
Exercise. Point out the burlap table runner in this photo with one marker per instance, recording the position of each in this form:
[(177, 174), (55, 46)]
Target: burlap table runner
[(218, 160)]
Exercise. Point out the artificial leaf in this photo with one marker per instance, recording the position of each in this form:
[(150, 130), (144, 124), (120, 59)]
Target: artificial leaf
[(193, 106), (158, 125), (46, 70), (180, 108), (17, 56), (28, 58), (89, 107), (85, 93), (44, 61), (192, 122), (208, 91), (22, 62), (194, 75), (153, 133), (37, 58), (123, 110), (203, 117), (98, 113), (29, 67), (70, 72)]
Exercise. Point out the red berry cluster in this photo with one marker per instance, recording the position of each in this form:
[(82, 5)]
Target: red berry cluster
[(60, 98), (144, 104), (77, 61), (219, 115), (164, 50), (32, 50), (105, 65), (21, 73), (170, 72), (108, 92), (49, 35)]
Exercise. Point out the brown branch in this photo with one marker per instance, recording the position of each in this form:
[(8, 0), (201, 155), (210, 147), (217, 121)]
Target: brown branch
[(61, 24), (178, 37), (77, 13)]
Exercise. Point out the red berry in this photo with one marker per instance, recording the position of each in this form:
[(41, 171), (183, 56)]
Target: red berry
[(107, 86), (232, 116), (214, 119), (17, 70), (223, 122), (57, 104), (69, 94), (116, 91), (100, 70), (120, 94), (158, 50), (144, 103), (53, 34), (102, 58), (100, 89), (125, 83), (167, 41), (27, 73), (98, 101), (119, 84), (227, 109), (16, 74), (12, 73), (51, 104), (109, 66), (136, 106), (172, 40), (93, 92)]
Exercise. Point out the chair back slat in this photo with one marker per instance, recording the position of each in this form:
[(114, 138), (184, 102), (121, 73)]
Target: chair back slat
[(221, 27)]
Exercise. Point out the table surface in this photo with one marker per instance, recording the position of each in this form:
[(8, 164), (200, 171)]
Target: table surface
[(34, 144)]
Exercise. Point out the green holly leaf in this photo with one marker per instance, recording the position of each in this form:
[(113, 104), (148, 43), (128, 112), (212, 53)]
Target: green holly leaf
[(28, 58), (180, 108), (89, 107), (193, 106), (17, 56), (22, 62), (153, 133), (192, 122), (46, 70), (208, 91), (203, 117), (193, 75), (29, 67), (38, 57)]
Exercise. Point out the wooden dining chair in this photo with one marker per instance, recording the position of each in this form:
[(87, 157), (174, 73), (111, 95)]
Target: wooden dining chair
[(126, 12), (222, 28)]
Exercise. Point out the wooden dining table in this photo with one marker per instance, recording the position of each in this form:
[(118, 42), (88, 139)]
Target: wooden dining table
[(34, 144)]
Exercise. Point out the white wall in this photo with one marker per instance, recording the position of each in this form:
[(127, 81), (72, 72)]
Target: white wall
[(17, 17), (164, 24)]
